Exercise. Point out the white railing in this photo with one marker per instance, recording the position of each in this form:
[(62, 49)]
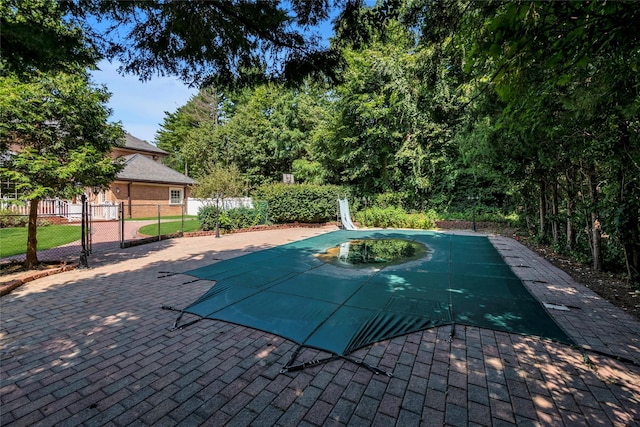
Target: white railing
[(104, 211), (45, 207), (194, 205)]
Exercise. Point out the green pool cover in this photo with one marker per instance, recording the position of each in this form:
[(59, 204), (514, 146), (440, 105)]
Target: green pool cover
[(289, 291)]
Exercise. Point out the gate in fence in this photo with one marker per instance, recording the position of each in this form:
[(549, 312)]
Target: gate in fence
[(95, 229)]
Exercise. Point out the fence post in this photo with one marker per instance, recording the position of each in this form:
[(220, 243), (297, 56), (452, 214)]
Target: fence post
[(158, 222), (84, 262), (121, 228)]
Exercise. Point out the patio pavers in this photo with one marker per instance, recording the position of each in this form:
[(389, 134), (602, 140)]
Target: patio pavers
[(93, 347)]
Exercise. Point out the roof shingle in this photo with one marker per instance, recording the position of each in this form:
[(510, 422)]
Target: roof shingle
[(137, 144), (141, 168)]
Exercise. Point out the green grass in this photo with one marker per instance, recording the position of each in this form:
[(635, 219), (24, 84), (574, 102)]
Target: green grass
[(190, 224), (162, 218), (14, 240)]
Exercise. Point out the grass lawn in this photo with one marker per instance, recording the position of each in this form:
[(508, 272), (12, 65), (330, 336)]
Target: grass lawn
[(190, 224), (14, 240), (163, 218)]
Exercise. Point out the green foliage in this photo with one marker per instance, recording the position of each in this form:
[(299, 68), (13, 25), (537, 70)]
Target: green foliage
[(224, 181), (389, 217), (53, 118), (389, 199), (232, 219), (9, 219), (232, 43), (207, 216), (308, 172), (184, 127), (238, 218), (306, 203), (396, 217), (59, 121), (421, 220), (260, 130), (36, 35)]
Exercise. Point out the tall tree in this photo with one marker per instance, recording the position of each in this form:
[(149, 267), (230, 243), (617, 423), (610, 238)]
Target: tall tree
[(221, 41), (36, 35), (261, 130), (388, 131), (54, 132), (202, 110), (566, 77)]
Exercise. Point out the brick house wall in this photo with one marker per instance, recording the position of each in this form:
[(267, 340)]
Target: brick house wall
[(142, 200)]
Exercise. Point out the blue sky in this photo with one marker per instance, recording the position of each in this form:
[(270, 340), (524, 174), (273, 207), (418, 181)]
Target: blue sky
[(141, 106)]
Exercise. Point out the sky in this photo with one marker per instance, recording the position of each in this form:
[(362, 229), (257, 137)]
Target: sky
[(141, 106)]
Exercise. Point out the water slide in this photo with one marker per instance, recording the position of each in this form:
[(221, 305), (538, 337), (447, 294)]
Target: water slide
[(345, 216)]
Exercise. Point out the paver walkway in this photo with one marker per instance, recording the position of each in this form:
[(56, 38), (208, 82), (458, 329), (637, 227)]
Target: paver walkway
[(93, 347)]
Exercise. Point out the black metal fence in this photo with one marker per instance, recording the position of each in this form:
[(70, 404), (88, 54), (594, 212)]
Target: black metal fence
[(93, 230), (86, 229), (59, 240)]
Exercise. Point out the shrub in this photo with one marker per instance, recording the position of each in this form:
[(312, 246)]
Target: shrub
[(242, 218), (394, 217), (9, 219), (232, 219), (389, 200), (422, 220), (307, 203), (207, 218), (390, 217)]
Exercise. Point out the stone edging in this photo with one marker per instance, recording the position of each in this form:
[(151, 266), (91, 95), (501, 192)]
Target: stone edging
[(260, 228), (7, 287)]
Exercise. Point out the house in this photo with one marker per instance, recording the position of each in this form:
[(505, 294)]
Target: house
[(145, 184), (143, 188)]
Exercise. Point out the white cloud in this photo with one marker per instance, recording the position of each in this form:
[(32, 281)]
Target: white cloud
[(141, 106)]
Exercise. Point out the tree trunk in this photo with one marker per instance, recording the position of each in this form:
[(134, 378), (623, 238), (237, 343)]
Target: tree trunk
[(596, 229), (555, 226), (629, 206), (629, 227), (543, 210), (570, 204), (32, 242), (631, 247)]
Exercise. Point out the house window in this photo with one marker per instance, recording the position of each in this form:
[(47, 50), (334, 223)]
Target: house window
[(175, 196)]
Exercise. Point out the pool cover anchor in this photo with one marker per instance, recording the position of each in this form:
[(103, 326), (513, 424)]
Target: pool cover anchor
[(170, 274), (175, 324), (289, 367), (166, 274), (452, 332)]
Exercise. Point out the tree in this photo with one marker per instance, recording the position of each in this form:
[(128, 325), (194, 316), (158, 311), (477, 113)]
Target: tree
[(56, 125), (201, 111), (560, 83), (225, 181), (390, 127), (261, 130), (36, 35), (216, 42)]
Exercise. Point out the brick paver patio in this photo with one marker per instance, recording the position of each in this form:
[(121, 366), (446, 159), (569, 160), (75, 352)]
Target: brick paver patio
[(93, 347)]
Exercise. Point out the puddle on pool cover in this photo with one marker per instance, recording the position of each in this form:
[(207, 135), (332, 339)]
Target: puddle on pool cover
[(373, 253)]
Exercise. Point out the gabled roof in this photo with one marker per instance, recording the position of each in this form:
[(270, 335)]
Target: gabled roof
[(142, 169), (133, 143)]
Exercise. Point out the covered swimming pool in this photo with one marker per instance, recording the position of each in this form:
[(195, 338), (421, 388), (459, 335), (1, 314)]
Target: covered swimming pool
[(296, 291)]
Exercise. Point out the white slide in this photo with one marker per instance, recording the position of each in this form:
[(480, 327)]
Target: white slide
[(345, 216)]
